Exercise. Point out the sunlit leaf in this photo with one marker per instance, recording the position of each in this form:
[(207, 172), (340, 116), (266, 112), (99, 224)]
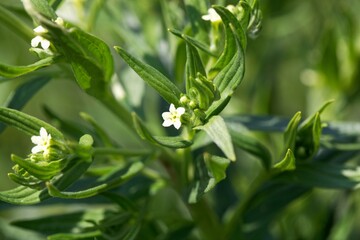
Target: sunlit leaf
[(219, 134), (168, 90), (16, 71)]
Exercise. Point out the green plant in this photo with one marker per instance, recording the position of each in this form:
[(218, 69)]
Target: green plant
[(181, 180)]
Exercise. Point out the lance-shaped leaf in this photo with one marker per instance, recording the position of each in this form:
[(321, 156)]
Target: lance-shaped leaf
[(171, 142), (167, 89), (41, 170), (130, 172), (25, 195), (209, 170), (193, 41), (9, 71), (26, 123), (229, 69), (291, 132), (219, 134)]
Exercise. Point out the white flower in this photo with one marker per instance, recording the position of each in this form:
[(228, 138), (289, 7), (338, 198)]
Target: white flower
[(212, 16), (40, 30), (38, 39), (173, 116), (44, 43), (42, 142)]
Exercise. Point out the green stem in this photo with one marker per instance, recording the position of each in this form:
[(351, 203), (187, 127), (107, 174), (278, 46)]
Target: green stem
[(235, 224), (206, 220)]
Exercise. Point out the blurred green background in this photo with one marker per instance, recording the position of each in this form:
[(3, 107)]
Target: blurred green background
[(307, 52)]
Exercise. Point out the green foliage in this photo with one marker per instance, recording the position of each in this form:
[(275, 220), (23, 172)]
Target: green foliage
[(231, 168)]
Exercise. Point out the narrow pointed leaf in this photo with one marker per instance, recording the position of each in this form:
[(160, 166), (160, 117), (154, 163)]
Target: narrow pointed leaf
[(26, 123), (131, 171), (167, 89), (9, 71), (228, 71), (291, 132)]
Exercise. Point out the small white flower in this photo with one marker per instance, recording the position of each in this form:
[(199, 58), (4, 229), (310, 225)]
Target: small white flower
[(173, 116), (44, 43), (42, 142), (212, 16), (40, 30)]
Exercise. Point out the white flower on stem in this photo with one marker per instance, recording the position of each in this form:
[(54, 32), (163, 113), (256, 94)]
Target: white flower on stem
[(173, 116), (40, 40), (40, 30), (44, 43), (212, 16), (43, 142)]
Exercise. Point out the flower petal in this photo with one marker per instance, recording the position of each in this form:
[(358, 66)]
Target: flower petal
[(172, 108), (35, 41), (167, 123), (166, 115), (177, 124), (45, 44), (180, 111)]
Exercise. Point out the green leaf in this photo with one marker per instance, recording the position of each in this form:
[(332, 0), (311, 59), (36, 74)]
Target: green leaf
[(192, 41), (167, 89), (26, 123), (325, 175), (35, 7), (90, 57), (291, 132), (309, 133), (25, 196), (218, 132), (24, 92), (41, 170), (96, 49), (287, 164), (209, 170), (216, 168), (194, 66), (130, 172), (243, 140), (16, 71), (171, 142), (228, 71)]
